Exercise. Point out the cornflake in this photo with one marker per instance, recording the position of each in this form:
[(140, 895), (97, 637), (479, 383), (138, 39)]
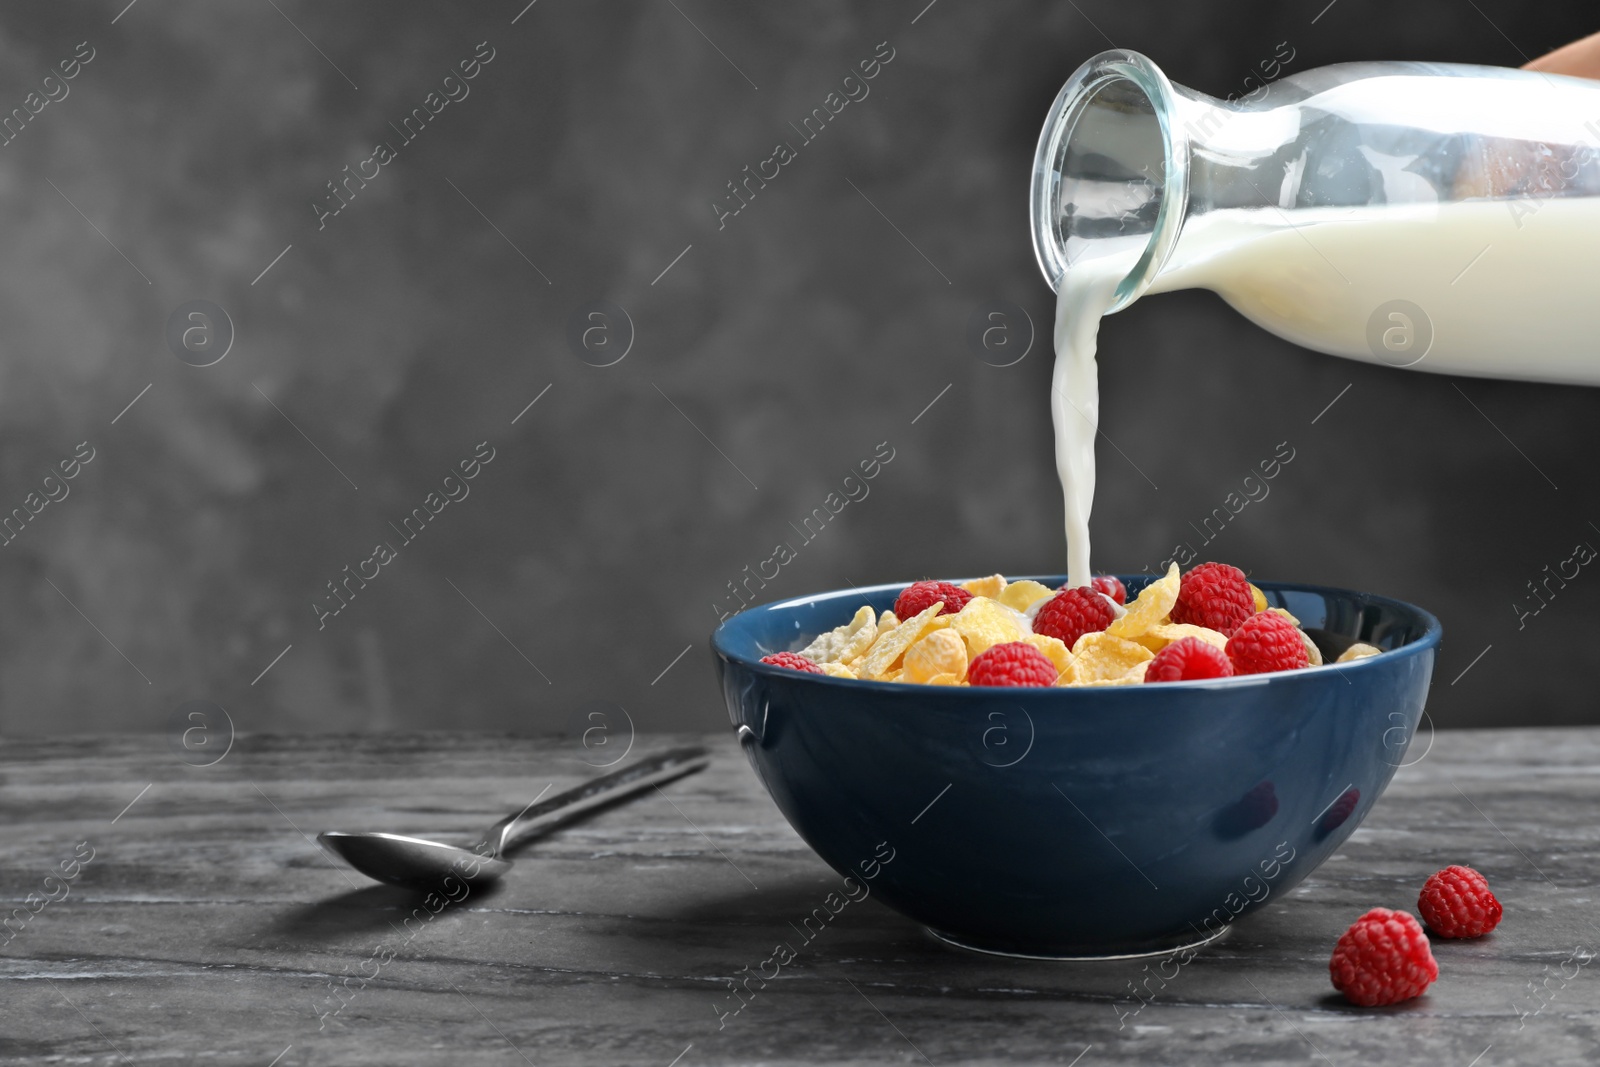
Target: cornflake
[(892, 644), (938, 652), (984, 623), (1102, 657), (1160, 636), (844, 643), (990, 587), (1024, 594), (1150, 608)]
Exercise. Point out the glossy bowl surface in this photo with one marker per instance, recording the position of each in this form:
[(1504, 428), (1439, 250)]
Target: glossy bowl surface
[(1080, 822)]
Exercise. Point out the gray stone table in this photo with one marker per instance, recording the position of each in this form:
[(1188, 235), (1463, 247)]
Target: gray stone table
[(207, 928)]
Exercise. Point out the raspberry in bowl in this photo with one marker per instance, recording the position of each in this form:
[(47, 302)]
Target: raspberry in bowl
[(1093, 817)]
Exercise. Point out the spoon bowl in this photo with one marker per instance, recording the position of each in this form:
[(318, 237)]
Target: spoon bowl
[(411, 861)]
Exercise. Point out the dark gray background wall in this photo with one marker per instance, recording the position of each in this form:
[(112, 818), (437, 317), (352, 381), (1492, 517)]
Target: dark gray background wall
[(773, 355)]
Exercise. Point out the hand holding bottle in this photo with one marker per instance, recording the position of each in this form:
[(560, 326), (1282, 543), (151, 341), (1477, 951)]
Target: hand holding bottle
[(1581, 59)]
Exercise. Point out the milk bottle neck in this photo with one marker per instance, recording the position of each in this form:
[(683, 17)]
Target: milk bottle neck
[(1126, 159), (1235, 157)]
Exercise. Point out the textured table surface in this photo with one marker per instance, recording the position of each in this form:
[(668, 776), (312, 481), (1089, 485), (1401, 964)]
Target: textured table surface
[(208, 928)]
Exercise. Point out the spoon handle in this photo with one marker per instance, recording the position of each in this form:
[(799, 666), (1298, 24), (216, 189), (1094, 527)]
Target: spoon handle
[(538, 818)]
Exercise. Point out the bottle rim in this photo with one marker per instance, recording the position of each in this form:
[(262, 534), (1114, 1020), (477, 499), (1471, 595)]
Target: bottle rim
[(1099, 71)]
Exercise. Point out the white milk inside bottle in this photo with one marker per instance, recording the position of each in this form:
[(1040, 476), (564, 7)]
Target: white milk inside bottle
[(1476, 301)]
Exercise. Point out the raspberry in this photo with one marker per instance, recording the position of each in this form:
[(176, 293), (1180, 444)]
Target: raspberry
[(1266, 642), (1456, 902), (794, 661), (1216, 596), (918, 597), (1071, 613), (1383, 958), (1188, 659), (1111, 586), (1012, 663)]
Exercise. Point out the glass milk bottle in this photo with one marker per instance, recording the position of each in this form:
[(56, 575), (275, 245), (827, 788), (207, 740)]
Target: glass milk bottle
[(1437, 216)]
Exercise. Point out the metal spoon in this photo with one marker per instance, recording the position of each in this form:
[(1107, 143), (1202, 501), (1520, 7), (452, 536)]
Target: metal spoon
[(420, 863)]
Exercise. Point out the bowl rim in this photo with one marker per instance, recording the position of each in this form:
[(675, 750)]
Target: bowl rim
[(1430, 639)]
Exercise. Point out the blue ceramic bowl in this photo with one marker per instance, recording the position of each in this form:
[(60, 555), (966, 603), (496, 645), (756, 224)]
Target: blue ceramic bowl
[(1072, 823)]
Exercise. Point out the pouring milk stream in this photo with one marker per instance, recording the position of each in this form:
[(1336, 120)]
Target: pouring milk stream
[(1440, 217)]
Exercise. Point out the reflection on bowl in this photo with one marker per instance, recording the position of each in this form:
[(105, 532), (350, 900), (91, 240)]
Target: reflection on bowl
[(1251, 812), (1072, 822)]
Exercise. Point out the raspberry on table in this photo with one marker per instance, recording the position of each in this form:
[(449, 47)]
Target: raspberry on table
[(1111, 586), (1456, 902), (1071, 613), (794, 661), (1266, 642), (918, 597), (1012, 663), (1188, 659), (1383, 958), (1216, 596)]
